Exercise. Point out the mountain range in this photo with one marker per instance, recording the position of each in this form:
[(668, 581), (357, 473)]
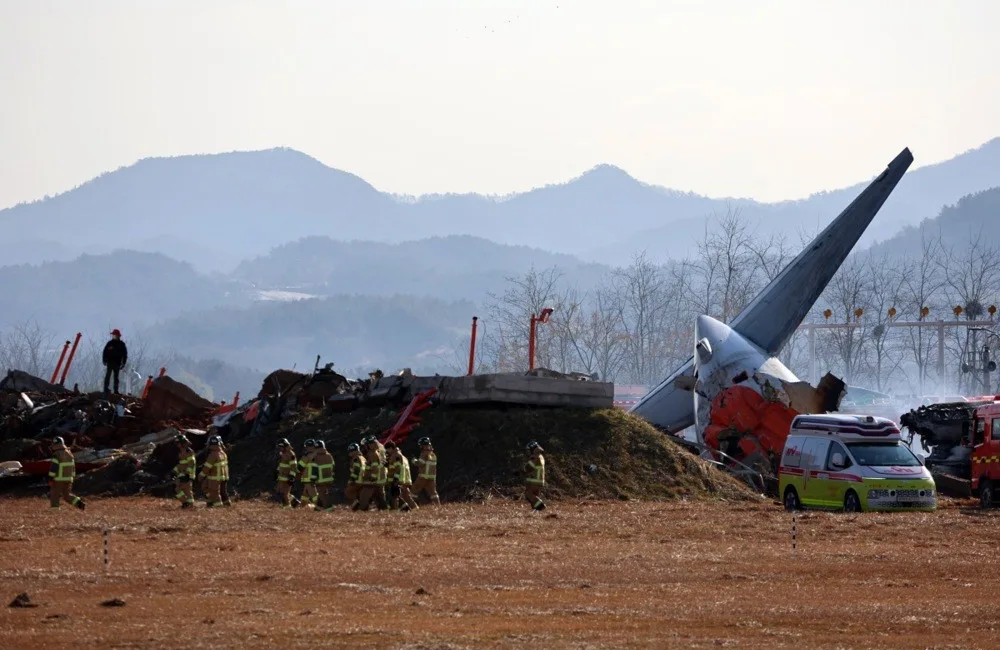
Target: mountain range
[(215, 211), (244, 262)]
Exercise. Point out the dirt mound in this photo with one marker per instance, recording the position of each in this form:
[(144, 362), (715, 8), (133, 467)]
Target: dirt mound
[(589, 453)]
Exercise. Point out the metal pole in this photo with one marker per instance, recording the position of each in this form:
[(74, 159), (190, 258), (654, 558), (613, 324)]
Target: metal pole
[(531, 344), (793, 534), (69, 361), (941, 356), (472, 346), (812, 355), (55, 373)]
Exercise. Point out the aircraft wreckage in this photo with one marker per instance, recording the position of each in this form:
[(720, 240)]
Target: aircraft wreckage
[(734, 390)]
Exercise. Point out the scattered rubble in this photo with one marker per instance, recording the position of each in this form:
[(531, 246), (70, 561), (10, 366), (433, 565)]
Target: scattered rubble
[(480, 425)]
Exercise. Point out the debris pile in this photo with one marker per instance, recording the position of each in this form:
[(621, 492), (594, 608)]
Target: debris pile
[(479, 424), (101, 430)]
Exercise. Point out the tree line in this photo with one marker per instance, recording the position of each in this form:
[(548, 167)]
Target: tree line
[(637, 325)]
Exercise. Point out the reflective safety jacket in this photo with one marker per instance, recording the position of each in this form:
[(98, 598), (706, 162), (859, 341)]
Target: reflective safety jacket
[(357, 469), (307, 468), (373, 469), (185, 464), (216, 467), (63, 467), (399, 471), (287, 465), (428, 465), (383, 472), (536, 470), (324, 467)]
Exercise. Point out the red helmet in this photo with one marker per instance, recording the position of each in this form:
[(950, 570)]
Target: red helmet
[(116, 333)]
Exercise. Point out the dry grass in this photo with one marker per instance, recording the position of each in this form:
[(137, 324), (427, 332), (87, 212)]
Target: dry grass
[(582, 574)]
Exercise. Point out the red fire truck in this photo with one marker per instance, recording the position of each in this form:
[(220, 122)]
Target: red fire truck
[(963, 439)]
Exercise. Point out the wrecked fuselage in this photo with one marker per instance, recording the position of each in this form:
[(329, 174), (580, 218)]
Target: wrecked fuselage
[(745, 400)]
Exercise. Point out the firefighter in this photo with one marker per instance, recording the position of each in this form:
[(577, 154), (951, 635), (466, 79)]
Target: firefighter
[(534, 476), (324, 476), (62, 471), (307, 474), (381, 498), (184, 472), (400, 479), (369, 478), (214, 472), (287, 468), (426, 480), (224, 483), (353, 490)]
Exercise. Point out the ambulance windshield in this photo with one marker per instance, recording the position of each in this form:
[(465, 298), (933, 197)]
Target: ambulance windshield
[(882, 454)]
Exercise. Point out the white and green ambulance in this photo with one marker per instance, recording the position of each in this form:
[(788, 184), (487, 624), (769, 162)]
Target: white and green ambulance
[(852, 462)]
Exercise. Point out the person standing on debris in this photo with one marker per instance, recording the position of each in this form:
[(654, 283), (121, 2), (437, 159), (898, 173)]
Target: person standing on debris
[(287, 468), (427, 471), (184, 472), (352, 492), (400, 479), (214, 471), (115, 357), (62, 471), (534, 476), (324, 476), (307, 474)]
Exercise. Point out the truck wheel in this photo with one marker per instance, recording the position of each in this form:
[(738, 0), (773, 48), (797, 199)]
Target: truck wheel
[(792, 499), (851, 502), (985, 494)]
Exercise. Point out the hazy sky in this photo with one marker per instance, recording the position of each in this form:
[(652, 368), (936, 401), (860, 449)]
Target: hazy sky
[(765, 99)]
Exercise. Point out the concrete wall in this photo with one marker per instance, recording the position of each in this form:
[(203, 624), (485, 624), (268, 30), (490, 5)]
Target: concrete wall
[(503, 388)]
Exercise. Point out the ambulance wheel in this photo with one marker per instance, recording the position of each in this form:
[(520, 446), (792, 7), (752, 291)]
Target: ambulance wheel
[(851, 502), (792, 499), (985, 494)]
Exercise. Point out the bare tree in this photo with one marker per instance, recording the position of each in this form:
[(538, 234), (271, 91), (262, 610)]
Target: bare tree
[(645, 299), (728, 269), (971, 279), (847, 292), (885, 288), (921, 285), (506, 345), (29, 347)]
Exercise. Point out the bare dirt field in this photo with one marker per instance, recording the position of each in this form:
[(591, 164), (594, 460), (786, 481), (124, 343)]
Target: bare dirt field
[(581, 574)]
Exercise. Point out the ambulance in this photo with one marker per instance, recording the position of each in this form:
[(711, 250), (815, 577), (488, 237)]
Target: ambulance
[(852, 462)]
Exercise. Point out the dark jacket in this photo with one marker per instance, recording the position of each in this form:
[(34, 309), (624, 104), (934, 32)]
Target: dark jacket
[(115, 354)]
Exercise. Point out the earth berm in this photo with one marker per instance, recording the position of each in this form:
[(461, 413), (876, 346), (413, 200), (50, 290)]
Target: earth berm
[(599, 454)]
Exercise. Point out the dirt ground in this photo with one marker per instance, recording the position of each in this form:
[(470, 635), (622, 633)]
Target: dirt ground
[(583, 574)]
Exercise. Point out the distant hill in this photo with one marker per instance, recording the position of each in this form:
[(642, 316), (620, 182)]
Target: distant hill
[(920, 194), (974, 216), (216, 210), (455, 267), (212, 210), (352, 331), (121, 289)]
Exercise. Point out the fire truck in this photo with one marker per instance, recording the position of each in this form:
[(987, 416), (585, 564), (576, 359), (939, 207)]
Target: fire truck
[(963, 440)]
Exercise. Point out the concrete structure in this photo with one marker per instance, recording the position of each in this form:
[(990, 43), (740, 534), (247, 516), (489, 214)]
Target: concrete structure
[(527, 390), (763, 328)]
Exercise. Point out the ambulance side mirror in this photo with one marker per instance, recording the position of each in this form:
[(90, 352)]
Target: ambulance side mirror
[(837, 460)]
